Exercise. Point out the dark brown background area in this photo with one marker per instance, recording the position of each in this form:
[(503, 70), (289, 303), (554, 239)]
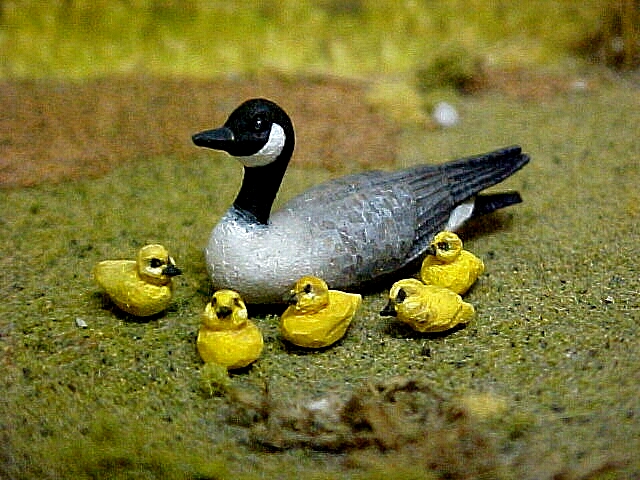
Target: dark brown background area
[(52, 131)]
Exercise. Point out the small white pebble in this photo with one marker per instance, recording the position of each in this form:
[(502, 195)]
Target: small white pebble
[(319, 405), (617, 44), (80, 323), (445, 114), (579, 84), (608, 299)]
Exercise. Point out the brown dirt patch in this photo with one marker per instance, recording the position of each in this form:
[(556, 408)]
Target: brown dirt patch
[(53, 131)]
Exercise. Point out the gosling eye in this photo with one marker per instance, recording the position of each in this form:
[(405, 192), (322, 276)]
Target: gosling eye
[(402, 295), (156, 262), (443, 246), (307, 288)]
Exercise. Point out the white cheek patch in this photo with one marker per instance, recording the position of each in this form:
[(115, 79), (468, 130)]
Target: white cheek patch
[(270, 151), (459, 215)]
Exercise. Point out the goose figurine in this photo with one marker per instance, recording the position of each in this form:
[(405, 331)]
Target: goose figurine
[(347, 231)]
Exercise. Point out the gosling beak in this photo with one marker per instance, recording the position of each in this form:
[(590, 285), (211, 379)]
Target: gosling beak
[(290, 298), (171, 270), (389, 309), (223, 311), (431, 250), (216, 139)]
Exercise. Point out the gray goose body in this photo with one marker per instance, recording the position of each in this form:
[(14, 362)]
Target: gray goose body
[(348, 231)]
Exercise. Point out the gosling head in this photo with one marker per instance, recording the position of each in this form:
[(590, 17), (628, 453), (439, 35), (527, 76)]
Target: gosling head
[(446, 247), (226, 311), (309, 295), (155, 265), (402, 291)]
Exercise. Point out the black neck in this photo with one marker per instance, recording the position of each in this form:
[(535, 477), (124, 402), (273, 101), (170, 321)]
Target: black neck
[(259, 188)]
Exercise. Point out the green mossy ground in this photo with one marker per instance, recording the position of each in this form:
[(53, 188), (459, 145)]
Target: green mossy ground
[(555, 339)]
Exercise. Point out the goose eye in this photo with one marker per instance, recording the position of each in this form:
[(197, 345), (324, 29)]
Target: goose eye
[(155, 263), (402, 295), (443, 246), (307, 288)]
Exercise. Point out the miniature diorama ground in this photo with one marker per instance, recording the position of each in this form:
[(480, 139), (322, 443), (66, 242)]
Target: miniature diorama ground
[(544, 383)]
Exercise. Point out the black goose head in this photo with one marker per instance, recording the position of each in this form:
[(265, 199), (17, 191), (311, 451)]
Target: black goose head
[(260, 134)]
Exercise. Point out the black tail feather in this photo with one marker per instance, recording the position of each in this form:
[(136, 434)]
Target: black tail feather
[(490, 202), (469, 176)]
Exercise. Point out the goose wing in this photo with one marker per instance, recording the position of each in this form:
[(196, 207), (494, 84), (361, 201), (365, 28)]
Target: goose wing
[(364, 223), (375, 222)]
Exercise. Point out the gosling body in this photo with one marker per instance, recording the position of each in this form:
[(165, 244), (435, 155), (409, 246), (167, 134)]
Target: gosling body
[(141, 287), (317, 316), (227, 337), (448, 265), (427, 308), (348, 231)]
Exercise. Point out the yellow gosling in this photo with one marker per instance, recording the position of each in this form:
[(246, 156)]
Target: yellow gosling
[(317, 316), (227, 337), (141, 287), (448, 265), (427, 308)]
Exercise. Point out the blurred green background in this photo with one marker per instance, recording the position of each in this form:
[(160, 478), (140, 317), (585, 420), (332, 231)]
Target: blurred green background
[(355, 38)]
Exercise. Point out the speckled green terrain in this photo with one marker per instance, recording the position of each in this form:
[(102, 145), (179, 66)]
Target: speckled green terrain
[(545, 381)]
